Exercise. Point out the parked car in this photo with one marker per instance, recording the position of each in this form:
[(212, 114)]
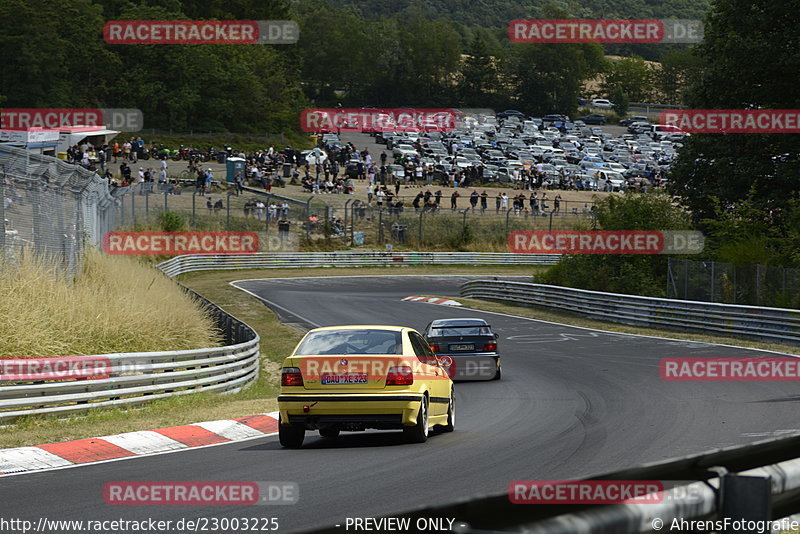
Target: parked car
[(634, 118), (510, 113), (594, 118), (601, 103)]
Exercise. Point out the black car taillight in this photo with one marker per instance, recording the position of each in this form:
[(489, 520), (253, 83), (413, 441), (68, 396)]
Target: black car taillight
[(291, 376), (489, 347), (436, 348)]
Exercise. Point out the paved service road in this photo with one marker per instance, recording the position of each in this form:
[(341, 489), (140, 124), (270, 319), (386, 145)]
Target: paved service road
[(572, 403)]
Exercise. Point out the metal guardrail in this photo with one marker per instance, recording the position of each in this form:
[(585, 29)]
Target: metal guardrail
[(751, 322), (277, 260), (145, 376), (756, 482)]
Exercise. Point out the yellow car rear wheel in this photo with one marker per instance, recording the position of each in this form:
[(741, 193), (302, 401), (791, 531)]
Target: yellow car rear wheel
[(291, 436), (419, 432)]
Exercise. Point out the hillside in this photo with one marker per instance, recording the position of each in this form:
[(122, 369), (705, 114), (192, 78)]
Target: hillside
[(497, 13)]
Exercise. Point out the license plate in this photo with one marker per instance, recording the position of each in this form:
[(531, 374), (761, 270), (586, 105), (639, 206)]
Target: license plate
[(349, 378), (462, 347)]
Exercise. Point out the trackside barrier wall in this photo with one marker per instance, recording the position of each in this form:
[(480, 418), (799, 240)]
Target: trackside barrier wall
[(145, 376), (751, 322), (707, 487), (269, 260)]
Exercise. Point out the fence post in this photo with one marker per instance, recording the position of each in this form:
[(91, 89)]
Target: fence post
[(166, 207), (228, 212), (550, 226), (758, 284), (508, 213), (346, 204), (352, 224), (685, 279), (380, 225), (421, 213), (712, 280), (147, 206), (194, 196), (133, 207), (3, 212)]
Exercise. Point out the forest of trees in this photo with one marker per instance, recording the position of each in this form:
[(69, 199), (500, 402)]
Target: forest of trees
[(414, 56)]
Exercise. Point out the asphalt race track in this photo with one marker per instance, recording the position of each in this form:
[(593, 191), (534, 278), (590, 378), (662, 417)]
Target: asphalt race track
[(572, 403)]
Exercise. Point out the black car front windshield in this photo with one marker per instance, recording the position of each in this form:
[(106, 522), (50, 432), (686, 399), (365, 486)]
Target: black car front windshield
[(367, 341)]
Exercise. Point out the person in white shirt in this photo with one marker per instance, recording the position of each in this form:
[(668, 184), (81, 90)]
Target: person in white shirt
[(260, 210), (504, 201)]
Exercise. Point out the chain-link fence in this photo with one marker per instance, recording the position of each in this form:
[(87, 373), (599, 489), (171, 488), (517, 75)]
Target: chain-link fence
[(709, 281), (278, 220), (51, 208), (446, 229)]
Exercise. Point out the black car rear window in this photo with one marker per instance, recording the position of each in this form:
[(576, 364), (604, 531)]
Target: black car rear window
[(456, 330)]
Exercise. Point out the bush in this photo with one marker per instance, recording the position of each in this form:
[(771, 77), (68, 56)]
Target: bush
[(632, 274), (170, 221)]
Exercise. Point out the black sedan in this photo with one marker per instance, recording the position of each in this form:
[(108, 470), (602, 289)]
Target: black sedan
[(594, 118), (466, 347), (510, 113)]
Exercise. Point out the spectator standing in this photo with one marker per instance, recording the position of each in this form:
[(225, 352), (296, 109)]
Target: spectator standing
[(473, 199)]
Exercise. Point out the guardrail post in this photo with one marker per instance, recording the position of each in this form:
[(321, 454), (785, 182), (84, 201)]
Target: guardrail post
[(744, 498), (194, 195)]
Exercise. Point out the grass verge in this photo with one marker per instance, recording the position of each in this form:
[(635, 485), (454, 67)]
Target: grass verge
[(115, 304)]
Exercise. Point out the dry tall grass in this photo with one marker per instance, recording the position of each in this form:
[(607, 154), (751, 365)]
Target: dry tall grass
[(116, 304)]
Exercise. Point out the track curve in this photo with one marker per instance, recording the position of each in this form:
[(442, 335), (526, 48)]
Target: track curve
[(573, 402)]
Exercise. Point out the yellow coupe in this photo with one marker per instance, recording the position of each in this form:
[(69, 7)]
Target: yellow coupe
[(350, 378)]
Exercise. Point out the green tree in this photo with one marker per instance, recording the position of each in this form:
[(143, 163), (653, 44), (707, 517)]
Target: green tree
[(630, 76), (479, 73), (636, 273), (747, 57), (677, 69), (549, 78)]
